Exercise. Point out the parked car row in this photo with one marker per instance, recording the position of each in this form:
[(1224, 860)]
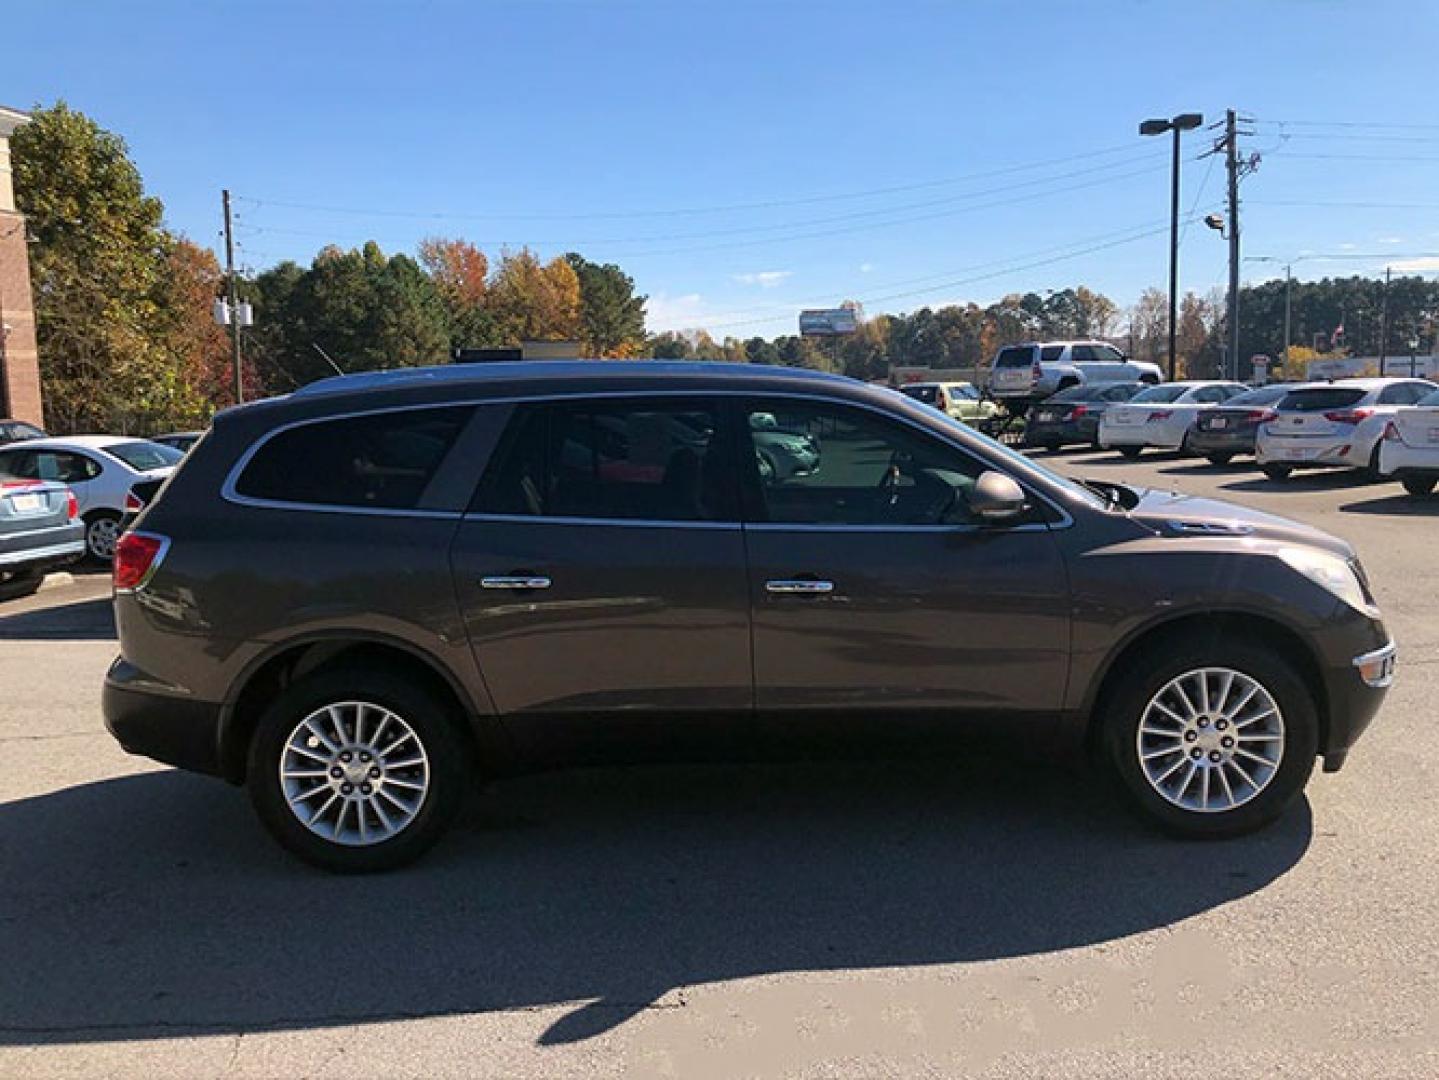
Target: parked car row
[(91, 478), (1388, 427)]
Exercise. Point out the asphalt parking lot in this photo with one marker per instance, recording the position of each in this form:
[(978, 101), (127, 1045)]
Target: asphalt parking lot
[(991, 916)]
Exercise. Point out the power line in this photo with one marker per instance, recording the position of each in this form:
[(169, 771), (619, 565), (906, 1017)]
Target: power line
[(1007, 266), (1351, 124), (767, 204)]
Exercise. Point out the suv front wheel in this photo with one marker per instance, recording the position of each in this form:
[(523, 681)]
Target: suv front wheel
[(356, 771), (1211, 741)]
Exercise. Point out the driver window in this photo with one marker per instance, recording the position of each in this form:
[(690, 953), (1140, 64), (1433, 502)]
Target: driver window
[(826, 464)]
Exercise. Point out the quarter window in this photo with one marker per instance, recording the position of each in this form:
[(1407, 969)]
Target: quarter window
[(826, 464), (642, 460), (377, 461)]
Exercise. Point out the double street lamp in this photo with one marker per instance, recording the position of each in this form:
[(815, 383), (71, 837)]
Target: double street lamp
[(1182, 122)]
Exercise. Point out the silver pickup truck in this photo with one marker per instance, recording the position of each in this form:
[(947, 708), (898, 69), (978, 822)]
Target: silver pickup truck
[(40, 528), (1025, 373)]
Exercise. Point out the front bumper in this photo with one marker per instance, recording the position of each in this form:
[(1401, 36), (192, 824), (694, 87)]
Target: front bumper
[(1355, 686), (169, 728)]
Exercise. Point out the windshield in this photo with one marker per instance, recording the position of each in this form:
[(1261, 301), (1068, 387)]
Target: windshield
[(1321, 398), (1264, 395), (927, 393), (1160, 394), (142, 456), (1014, 356)]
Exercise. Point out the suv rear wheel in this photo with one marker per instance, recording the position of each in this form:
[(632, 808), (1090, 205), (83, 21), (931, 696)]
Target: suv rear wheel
[(1211, 741), (356, 771)]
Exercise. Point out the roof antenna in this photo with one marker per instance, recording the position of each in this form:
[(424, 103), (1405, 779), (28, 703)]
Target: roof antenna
[(322, 352)]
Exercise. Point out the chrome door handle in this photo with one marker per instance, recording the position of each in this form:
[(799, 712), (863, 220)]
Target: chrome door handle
[(799, 585), (515, 581)]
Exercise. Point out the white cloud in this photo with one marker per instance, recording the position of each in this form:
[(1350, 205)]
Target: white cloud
[(685, 312), (1391, 239), (1416, 266), (765, 279), (1346, 247), (865, 268)]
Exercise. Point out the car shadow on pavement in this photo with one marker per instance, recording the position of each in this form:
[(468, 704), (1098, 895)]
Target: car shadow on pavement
[(152, 906), (85, 620), (1208, 468), (1317, 480), (1400, 505)]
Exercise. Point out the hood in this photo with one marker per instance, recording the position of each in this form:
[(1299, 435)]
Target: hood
[(1172, 514)]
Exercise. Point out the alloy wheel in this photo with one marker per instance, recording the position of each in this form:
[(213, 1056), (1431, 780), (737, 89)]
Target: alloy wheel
[(354, 773), (1210, 740)]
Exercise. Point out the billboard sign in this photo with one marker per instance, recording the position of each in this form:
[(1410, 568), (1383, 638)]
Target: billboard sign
[(828, 322)]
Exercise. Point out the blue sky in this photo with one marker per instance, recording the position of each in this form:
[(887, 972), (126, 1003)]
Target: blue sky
[(742, 160)]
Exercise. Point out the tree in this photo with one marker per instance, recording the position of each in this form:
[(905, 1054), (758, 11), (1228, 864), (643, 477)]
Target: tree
[(535, 302), (198, 347), (670, 346), (1149, 326), (97, 267), (460, 273), (612, 316)]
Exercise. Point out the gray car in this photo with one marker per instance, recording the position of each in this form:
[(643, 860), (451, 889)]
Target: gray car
[(447, 589), (40, 530)]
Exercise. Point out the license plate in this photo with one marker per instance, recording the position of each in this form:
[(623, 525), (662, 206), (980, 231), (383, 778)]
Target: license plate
[(1298, 455), (27, 504), (1219, 422), (1045, 414)]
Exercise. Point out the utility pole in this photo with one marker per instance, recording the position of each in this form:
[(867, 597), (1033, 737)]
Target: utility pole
[(1231, 162), (1384, 322), (234, 296), (1288, 286)]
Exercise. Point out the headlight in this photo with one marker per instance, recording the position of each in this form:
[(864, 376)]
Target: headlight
[(1331, 572)]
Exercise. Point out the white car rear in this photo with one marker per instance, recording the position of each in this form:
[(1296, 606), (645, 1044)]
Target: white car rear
[(1333, 424), (1409, 449), (1161, 416)]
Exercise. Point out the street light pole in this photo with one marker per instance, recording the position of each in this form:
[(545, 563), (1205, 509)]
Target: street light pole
[(1179, 124), (1288, 285)]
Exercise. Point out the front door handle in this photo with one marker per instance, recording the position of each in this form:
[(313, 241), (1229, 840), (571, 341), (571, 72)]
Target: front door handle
[(799, 585), (515, 581)]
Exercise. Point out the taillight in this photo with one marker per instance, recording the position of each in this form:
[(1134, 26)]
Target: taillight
[(72, 505), (133, 503), (1348, 416), (1162, 414), (1079, 410), (137, 556), (1261, 416), (1391, 433), (1036, 372)]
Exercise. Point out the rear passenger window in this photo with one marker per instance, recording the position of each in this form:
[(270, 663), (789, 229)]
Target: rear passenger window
[(637, 461), (379, 461), (1050, 353)]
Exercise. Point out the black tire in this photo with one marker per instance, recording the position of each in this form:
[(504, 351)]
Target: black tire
[(1419, 486), (433, 724), (1276, 472), (20, 583), (1371, 471), (102, 529), (1131, 452), (1124, 707), (1220, 459)]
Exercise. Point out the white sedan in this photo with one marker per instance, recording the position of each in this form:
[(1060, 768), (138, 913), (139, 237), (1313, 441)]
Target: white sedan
[(1161, 416), (1409, 450), (1336, 423), (100, 470)]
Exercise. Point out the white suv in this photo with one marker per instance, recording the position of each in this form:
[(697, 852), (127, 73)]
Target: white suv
[(1030, 372)]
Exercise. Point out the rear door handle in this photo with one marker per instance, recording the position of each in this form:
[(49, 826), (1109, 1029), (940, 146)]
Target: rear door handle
[(515, 581), (799, 585)]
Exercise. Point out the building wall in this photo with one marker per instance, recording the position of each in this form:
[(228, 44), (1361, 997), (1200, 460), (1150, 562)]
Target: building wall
[(19, 359)]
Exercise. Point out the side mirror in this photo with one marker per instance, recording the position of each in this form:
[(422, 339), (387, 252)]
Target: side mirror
[(996, 498)]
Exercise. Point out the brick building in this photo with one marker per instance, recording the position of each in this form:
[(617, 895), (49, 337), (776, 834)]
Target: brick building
[(19, 361)]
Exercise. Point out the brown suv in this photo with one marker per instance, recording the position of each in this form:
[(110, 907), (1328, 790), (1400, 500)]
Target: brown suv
[(356, 598)]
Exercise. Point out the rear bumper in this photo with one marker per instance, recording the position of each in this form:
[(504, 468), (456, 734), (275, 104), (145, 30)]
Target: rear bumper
[(1221, 442), (1342, 453), (169, 728), (48, 548), (1140, 435), (1398, 460), (1060, 432)]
